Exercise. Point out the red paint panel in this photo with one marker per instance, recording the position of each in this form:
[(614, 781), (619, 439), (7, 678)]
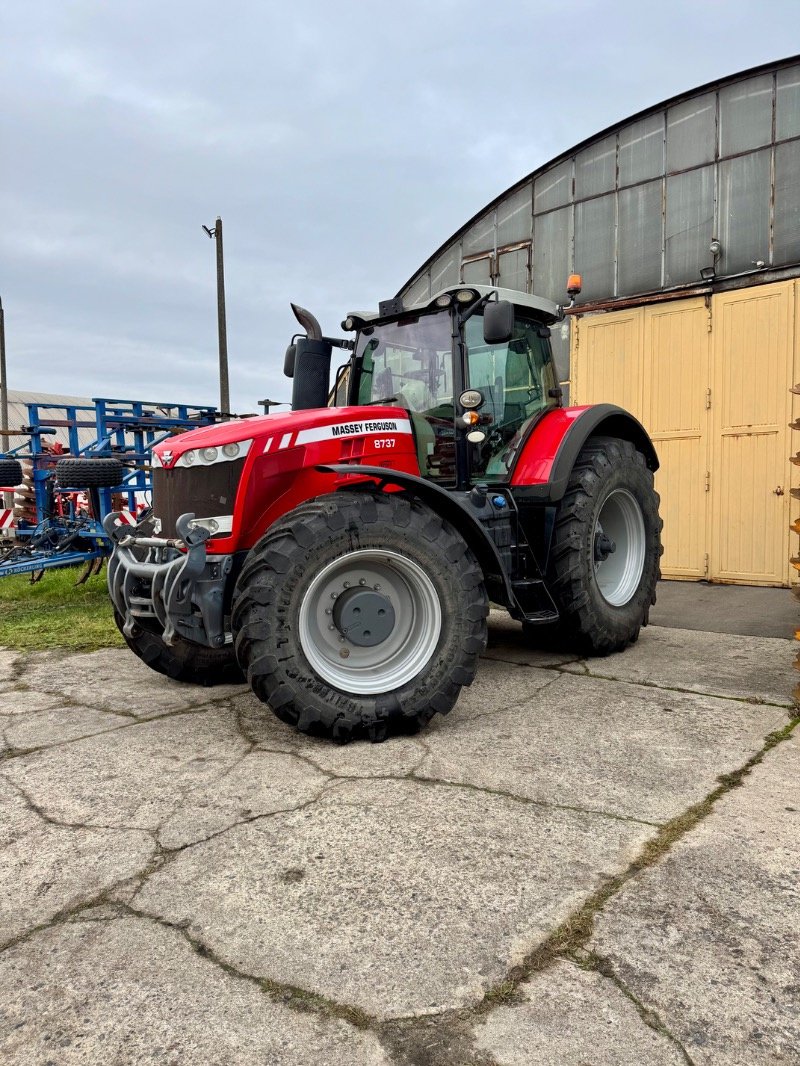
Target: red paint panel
[(535, 464), (279, 473)]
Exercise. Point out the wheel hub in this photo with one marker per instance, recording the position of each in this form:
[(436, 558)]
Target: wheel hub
[(364, 616), (603, 547), (344, 636), (619, 545)]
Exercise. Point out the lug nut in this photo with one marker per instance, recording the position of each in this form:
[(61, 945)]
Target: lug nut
[(334, 595), (331, 626), (346, 584), (362, 581), (327, 610), (376, 587)]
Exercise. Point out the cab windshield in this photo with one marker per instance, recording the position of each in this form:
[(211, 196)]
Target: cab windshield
[(515, 380), (410, 363)]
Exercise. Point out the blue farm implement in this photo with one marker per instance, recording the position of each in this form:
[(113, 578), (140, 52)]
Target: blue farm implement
[(70, 488)]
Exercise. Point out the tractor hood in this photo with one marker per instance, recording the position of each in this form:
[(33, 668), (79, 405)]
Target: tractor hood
[(285, 430)]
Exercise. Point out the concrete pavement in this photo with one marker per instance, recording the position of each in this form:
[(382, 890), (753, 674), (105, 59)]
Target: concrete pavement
[(585, 862)]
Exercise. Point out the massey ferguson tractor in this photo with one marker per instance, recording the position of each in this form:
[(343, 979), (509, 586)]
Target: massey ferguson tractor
[(343, 556)]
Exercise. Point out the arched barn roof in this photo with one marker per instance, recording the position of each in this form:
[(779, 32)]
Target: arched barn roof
[(635, 207)]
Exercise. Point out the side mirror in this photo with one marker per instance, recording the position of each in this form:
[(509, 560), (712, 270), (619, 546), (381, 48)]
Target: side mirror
[(498, 322), (288, 361)]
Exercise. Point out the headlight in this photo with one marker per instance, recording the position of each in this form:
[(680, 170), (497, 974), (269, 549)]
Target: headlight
[(226, 453)]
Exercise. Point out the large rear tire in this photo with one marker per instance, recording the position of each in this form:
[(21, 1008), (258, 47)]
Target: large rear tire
[(604, 557), (183, 660), (360, 615)]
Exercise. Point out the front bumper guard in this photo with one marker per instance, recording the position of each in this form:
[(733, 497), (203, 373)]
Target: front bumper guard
[(176, 585)]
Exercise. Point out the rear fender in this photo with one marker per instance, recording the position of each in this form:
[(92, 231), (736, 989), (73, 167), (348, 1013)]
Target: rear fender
[(547, 457)]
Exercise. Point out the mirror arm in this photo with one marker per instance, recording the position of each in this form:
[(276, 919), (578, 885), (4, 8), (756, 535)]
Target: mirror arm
[(464, 316)]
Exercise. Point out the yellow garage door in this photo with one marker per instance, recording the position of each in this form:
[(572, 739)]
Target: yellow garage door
[(710, 384), (676, 415), (607, 360), (751, 409)]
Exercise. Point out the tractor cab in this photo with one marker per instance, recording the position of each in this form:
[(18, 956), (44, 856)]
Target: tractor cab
[(472, 366)]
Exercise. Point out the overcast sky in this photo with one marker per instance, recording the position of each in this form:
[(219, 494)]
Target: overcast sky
[(340, 143)]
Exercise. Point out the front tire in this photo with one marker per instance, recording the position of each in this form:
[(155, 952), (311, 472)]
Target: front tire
[(182, 660), (360, 615), (604, 557)]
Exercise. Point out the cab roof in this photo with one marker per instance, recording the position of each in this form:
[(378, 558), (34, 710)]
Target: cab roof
[(544, 308)]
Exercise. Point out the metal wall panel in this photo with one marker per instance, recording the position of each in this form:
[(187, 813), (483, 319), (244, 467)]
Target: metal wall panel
[(515, 217), (692, 132), (553, 188), (444, 270), (552, 262), (787, 103), (743, 224), (478, 272), (594, 246), (420, 290), (639, 242), (786, 223), (596, 168), (513, 269), (641, 150), (689, 225), (479, 237), (745, 115)]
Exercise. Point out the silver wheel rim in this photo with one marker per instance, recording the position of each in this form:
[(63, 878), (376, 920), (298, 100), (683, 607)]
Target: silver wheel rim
[(402, 655), (618, 575)]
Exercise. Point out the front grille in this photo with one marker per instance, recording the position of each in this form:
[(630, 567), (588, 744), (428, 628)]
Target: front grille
[(204, 490)]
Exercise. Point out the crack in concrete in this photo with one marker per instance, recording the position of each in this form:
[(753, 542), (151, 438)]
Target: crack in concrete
[(170, 853), (602, 966), (576, 931), (562, 669), (446, 1039), (413, 777), (292, 996), (62, 824), (16, 753)]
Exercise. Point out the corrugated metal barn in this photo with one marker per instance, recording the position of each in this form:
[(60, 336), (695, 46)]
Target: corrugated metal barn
[(684, 221)]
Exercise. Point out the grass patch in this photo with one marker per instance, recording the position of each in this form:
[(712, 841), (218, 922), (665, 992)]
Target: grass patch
[(55, 613)]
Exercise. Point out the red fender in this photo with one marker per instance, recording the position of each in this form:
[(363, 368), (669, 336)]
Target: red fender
[(548, 453)]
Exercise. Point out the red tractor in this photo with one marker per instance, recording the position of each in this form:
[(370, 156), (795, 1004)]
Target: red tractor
[(343, 556)]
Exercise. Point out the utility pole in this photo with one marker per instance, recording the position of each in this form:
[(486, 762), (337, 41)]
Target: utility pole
[(9, 499), (224, 392)]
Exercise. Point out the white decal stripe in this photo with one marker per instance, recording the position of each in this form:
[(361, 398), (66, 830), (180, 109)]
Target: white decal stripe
[(285, 440), (381, 426), (268, 445)]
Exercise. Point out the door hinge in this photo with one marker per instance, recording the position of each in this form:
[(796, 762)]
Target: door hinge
[(708, 481), (708, 399), (705, 565)]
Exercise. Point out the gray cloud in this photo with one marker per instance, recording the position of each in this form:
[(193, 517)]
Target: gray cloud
[(340, 143)]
